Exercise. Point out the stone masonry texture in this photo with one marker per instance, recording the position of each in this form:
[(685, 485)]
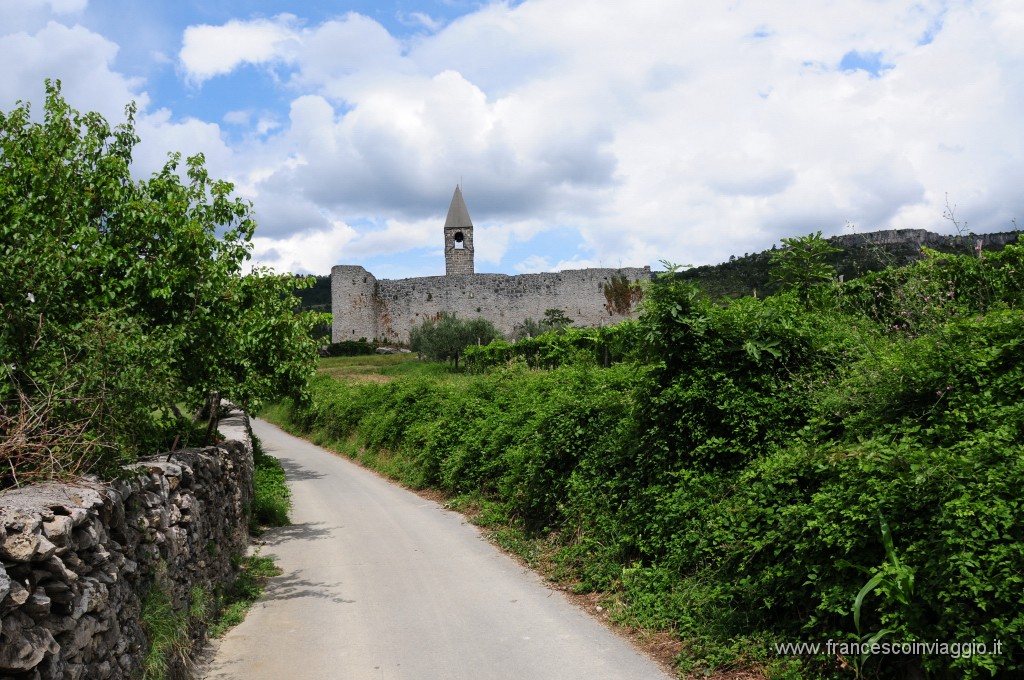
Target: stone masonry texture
[(76, 561), (386, 310)]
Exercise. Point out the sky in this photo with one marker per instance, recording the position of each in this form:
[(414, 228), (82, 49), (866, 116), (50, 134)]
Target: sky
[(583, 133)]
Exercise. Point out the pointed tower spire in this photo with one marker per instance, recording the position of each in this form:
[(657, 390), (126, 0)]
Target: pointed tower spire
[(458, 237), (458, 214)]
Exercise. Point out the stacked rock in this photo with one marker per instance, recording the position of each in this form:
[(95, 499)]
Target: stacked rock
[(76, 561)]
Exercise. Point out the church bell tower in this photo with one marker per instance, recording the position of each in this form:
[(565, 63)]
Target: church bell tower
[(458, 237)]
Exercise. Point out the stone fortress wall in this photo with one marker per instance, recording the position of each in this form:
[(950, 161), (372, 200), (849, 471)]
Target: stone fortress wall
[(386, 310), (365, 307)]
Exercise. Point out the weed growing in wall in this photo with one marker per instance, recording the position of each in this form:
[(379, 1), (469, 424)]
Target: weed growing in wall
[(621, 295)]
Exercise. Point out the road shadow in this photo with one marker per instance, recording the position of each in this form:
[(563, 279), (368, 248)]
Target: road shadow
[(293, 587), (297, 473), (308, 531), (206, 665)]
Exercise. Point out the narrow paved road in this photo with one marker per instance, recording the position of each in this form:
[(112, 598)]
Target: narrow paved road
[(380, 584)]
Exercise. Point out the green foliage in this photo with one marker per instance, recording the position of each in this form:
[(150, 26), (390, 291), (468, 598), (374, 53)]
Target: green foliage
[(350, 348), (802, 264), (737, 277), (602, 346), (723, 482), (168, 629), (728, 383), (271, 495), (447, 337), (779, 541), (495, 353), (245, 591), (895, 580), (315, 296), (119, 297), (167, 633), (922, 297), (554, 320)]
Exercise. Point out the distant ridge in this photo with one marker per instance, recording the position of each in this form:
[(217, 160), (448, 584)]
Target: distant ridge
[(916, 238), (861, 253)]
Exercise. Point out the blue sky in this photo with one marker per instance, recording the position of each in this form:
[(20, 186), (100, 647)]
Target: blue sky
[(584, 132)]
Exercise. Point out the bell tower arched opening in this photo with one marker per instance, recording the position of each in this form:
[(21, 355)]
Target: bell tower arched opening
[(458, 238)]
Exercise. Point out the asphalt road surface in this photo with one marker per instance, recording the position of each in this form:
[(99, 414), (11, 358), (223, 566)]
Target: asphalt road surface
[(380, 584)]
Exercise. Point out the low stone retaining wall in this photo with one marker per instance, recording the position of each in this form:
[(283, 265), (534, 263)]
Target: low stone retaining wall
[(76, 562)]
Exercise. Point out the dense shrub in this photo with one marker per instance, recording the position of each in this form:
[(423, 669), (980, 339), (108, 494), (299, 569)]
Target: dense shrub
[(731, 482), (349, 348), (730, 383), (602, 346)]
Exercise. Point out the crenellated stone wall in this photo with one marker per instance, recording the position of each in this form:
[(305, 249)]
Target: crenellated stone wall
[(76, 561), (365, 307)]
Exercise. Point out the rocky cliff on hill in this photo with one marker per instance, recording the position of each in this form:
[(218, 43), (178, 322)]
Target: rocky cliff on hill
[(861, 253)]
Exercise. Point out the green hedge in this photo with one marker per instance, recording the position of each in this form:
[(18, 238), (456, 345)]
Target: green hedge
[(602, 346), (349, 348), (730, 483)]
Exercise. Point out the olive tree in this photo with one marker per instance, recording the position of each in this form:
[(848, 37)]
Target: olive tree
[(447, 337)]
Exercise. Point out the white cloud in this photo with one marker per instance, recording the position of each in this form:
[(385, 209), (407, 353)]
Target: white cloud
[(660, 133), (342, 57), (311, 252), (655, 131), (422, 19), (534, 264), (396, 237), (258, 123), (209, 51), (81, 59), (30, 15), (62, 6)]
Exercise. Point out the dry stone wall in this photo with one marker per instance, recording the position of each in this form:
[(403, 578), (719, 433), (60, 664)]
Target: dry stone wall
[(76, 561), (365, 307)]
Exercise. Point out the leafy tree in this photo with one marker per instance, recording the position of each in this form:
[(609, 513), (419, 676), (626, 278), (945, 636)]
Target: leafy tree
[(802, 264), (529, 328), (446, 337), (554, 320), (120, 298)]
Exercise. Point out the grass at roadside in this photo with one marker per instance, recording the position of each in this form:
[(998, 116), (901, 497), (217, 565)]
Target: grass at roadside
[(271, 503), (271, 496), (168, 629), (253, 572)]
